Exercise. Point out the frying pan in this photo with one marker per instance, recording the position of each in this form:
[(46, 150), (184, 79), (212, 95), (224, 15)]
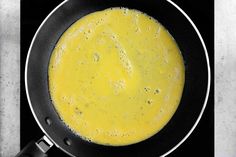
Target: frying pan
[(178, 129)]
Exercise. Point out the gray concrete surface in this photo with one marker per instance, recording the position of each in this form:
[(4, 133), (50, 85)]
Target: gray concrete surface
[(225, 78), (9, 77)]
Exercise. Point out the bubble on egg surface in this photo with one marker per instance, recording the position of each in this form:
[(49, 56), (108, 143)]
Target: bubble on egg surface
[(157, 91), (147, 89), (96, 57)]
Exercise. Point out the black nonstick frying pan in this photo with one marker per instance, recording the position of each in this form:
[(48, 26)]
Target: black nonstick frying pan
[(188, 114)]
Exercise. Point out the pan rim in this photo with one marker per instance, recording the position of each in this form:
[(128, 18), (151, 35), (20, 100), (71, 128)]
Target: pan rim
[(26, 82), (208, 81)]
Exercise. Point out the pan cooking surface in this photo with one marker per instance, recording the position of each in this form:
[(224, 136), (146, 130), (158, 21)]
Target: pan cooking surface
[(113, 84)]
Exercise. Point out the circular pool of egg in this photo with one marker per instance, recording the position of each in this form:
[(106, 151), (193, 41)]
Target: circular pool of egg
[(116, 77)]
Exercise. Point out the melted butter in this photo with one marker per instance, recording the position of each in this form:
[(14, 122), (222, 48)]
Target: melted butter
[(116, 77)]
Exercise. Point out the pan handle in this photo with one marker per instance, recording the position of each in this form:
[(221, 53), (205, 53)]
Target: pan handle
[(36, 149)]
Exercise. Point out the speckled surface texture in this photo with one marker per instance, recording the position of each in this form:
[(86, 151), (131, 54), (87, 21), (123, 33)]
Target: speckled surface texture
[(9, 77), (225, 79)]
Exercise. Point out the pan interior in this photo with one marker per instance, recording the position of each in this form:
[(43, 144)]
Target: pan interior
[(116, 77)]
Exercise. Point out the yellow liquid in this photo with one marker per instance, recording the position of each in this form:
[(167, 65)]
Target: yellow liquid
[(116, 77)]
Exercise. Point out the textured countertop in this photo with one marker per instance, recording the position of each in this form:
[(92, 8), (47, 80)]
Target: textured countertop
[(225, 78), (9, 77)]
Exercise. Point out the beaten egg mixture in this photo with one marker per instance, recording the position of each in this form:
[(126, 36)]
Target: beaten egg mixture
[(116, 77)]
